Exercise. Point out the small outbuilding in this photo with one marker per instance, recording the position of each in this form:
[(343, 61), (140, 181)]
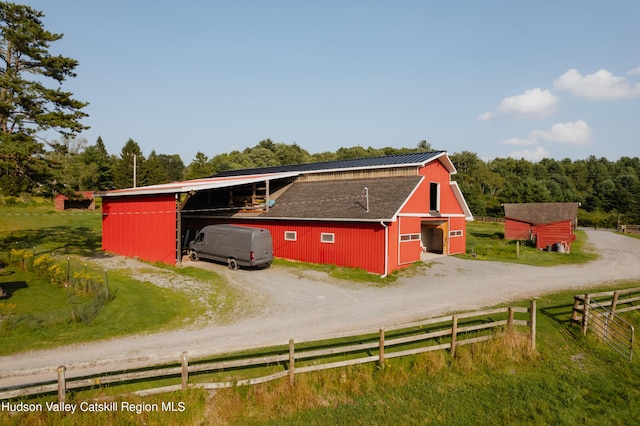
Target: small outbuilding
[(547, 225), (379, 214), (81, 200)]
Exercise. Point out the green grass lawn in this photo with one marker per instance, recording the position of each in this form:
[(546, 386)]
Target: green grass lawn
[(37, 312), (485, 241)]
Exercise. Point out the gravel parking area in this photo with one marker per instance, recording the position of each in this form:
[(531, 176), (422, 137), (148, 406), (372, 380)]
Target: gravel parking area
[(307, 305)]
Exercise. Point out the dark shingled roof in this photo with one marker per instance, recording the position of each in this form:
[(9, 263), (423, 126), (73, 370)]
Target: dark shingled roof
[(344, 199), (541, 213), (387, 160)]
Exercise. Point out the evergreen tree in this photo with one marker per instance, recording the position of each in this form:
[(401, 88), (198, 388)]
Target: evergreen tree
[(29, 106)]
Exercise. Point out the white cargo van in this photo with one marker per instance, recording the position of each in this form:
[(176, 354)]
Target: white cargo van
[(235, 245)]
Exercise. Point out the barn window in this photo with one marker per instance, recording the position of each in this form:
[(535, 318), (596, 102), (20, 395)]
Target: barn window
[(409, 237), (434, 197), (456, 233), (290, 236), (326, 237)]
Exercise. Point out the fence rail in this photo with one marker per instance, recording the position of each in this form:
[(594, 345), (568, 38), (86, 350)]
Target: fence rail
[(441, 333), (601, 317)]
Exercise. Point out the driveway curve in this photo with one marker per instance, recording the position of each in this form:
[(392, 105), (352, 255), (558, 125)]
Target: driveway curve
[(310, 306)]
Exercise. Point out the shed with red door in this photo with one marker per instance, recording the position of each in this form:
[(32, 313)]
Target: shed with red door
[(379, 214)]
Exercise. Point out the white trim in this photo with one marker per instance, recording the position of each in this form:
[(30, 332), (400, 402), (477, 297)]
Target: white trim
[(295, 235), (323, 235), (406, 200), (442, 216), (438, 196), (463, 203)]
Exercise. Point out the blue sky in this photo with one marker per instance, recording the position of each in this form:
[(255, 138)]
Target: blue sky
[(526, 79)]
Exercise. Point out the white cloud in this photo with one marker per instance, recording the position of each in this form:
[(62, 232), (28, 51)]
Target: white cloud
[(600, 85), (634, 71), (535, 154), (573, 133), (485, 116), (534, 103)]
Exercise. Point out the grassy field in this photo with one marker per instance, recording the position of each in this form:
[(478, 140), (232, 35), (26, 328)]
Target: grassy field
[(570, 379), (39, 311)]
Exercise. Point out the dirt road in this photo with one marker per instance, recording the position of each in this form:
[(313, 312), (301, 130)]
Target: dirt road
[(309, 305)]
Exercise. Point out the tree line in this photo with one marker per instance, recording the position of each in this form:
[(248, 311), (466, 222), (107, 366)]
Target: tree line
[(599, 184)]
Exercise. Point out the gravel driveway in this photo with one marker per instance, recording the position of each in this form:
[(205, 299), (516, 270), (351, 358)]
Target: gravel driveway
[(306, 305)]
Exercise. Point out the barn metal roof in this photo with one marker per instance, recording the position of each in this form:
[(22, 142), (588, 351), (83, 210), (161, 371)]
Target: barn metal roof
[(195, 185), (247, 176), (387, 161)]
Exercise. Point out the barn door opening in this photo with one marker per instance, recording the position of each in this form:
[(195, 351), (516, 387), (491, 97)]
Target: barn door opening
[(433, 236)]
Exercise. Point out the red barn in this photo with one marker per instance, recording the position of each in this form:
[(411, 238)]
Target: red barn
[(378, 214), (545, 224)]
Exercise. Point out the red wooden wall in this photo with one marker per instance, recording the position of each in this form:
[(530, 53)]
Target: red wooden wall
[(144, 227), (356, 245)]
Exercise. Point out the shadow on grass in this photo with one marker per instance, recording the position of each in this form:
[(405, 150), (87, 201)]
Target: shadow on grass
[(560, 316), (11, 287), (71, 239)]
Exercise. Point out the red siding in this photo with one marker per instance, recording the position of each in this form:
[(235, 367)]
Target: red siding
[(553, 233), (457, 243), (516, 230), (544, 234), (143, 227), (356, 245)]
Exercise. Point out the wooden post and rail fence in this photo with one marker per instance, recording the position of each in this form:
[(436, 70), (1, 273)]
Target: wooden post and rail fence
[(449, 332)]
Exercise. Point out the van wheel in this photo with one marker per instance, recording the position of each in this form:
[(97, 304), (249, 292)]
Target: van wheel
[(232, 264), (193, 256)]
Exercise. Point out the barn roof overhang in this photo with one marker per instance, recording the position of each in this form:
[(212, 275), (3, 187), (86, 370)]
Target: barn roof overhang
[(195, 185)]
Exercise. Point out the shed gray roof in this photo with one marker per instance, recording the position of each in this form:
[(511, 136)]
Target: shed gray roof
[(344, 199), (541, 213)]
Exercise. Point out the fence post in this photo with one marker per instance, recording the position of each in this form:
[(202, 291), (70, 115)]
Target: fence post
[(532, 324), (185, 371), (585, 314), (454, 332), (614, 302), (381, 352), (62, 383), (574, 314), (510, 320), (292, 360)]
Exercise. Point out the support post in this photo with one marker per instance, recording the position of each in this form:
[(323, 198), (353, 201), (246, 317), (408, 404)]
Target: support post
[(185, 371), (292, 360), (585, 314), (454, 332), (532, 324), (510, 320), (381, 352), (518, 249), (614, 302), (574, 314), (62, 384)]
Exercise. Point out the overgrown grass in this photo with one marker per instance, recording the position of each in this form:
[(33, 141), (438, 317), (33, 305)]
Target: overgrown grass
[(570, 379), (485, 241)]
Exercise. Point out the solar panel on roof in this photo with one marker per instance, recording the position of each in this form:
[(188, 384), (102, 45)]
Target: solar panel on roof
[(387, 160)]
